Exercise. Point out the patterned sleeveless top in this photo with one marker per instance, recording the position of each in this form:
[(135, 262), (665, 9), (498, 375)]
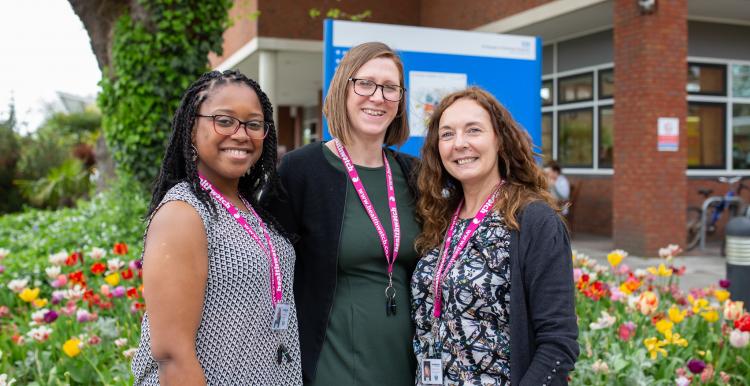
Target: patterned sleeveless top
[(473, 337), (234, 342)]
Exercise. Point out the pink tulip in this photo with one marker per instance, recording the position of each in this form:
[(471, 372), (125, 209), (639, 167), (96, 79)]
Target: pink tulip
[(739, 339)]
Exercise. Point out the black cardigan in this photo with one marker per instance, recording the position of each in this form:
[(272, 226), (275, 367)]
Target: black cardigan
[(314, 211), (543, 326)]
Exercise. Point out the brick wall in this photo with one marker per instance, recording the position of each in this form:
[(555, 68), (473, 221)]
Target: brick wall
[(592, 212), (649, 187), (291, 18), (243, 30), (471, 14)]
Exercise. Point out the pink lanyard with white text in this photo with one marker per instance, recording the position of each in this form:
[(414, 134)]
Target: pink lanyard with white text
[(276, 289), (444, 266), (370, 209)]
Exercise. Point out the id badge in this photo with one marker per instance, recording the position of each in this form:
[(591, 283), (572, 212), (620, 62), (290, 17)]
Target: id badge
[(432, 371), (280, 317)]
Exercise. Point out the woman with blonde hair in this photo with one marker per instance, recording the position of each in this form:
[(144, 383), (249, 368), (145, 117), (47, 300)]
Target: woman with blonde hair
[(493, 298), (351, 203)]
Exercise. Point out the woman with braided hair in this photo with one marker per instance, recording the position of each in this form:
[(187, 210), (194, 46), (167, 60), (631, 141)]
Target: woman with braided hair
[(217, 269)]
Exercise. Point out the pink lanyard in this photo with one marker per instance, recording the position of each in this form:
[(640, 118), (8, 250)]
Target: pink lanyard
[(354, 176), (444, 266), (276, 290)]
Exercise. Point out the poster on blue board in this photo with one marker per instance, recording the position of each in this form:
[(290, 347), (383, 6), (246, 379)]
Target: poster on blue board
[(439, 61)]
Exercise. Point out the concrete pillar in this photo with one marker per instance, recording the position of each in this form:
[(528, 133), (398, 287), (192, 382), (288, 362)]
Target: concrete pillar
[(267, 78), (649, 186)]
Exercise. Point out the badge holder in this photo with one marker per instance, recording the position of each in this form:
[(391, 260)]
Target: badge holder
[(280, 317)]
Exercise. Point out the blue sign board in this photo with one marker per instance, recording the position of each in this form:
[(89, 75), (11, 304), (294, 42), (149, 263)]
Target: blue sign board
[(440, 61)]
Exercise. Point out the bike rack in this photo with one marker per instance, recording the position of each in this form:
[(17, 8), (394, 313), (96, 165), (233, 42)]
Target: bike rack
[(734, 200)]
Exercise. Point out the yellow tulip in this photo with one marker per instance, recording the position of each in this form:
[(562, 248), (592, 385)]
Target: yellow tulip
[(654, 347), (663, 326), (615, 258), (710, 316), (29, 295), (72, 347), (112, 279), (698, 304), (676, 339), (721, 295), (662, 271), (675, 315), (39, 303)]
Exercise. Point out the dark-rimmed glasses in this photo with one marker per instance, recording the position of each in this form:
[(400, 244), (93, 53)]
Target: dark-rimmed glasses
[(228, 125), (366, 87)]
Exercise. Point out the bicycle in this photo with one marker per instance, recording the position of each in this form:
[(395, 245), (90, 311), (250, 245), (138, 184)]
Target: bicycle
[(702, 221)]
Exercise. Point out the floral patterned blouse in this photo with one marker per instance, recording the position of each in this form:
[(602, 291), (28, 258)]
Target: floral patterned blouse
[(474, 332)]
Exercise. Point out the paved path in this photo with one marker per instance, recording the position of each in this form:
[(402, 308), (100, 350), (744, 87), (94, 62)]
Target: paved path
[(703, 268)]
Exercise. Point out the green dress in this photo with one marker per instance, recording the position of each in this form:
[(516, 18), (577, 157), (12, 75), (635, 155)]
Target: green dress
[(363, 345)]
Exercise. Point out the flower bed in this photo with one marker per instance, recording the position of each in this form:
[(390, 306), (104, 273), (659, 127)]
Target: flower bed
[(70, 292), (638, 327)]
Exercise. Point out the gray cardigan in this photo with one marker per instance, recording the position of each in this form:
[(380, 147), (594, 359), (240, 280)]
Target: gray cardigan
[(543, 324)]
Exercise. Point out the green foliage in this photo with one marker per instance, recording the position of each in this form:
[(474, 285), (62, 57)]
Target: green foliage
[(60, 187), (154, 59), (9, 155), (336, 13), (109, 217), (30, 237)]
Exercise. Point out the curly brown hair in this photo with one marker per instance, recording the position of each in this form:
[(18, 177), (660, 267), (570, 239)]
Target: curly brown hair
[(440, 193)]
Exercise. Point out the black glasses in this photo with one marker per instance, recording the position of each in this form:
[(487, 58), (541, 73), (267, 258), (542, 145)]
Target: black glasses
[(228, 125), (366, 87)]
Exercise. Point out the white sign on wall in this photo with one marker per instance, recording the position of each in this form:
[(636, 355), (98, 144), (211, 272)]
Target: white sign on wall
[(668, 134)]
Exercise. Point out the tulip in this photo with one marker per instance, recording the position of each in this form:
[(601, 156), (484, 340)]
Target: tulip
[(626, 331), (97, 253), (615, 257), (739, 339), (696, 366), (29, 295), (118, 292), (743, 323), (675, 315), (721, 295), (724, 283), (733, 310), (112, 279), (120, 249), (50, 316), (72, 347), (647, 303)]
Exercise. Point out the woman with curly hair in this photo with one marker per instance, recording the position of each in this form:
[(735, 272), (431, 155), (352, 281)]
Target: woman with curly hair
[(492, 296), (217, 269)]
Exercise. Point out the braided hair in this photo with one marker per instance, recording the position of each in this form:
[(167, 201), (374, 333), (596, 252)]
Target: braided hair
[(258, 186)]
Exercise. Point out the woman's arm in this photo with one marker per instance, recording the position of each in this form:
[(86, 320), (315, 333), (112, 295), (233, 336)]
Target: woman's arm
[(175, 269), (548, 282)]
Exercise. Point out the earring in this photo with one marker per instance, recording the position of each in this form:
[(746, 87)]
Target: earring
[(193, 153)]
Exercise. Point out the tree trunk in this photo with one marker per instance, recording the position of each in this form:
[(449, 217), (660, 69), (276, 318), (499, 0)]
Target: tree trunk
[(99, 18)]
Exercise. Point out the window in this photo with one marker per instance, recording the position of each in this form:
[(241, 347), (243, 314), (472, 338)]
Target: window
[(575, 138), (606, 84), (741, 81), (741, 136), (705, 135), (606, 136), (547, 92), (547, 136), (576, 88), (706, 79)]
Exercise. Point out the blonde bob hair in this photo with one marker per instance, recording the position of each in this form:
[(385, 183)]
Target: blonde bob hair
[(524, 179), (334, 107)]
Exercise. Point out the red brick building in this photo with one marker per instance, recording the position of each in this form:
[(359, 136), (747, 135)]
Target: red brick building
[(684, 59)]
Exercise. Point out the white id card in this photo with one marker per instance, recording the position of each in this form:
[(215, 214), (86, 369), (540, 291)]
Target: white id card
[(432, 371), (280, 317)]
